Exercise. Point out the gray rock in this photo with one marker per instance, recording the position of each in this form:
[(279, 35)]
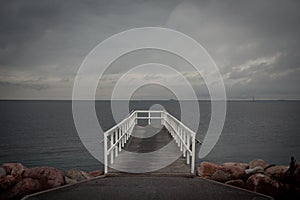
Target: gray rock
[(69, 180), (2, 172), (254, 170), (75, 175), (258, 163), (86, 175)]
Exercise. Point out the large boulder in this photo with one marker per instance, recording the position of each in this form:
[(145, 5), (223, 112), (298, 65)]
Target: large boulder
[(14, 169), (243, 166), (237, 183), (75, 175), (227, 173), (263, 184), (279, 172), (24, 187), (7, 181), (207, 169), (258, 163), (49, 177)]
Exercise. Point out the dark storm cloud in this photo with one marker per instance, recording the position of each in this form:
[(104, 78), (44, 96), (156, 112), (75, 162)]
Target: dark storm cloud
[(49, 32), (255, 43)]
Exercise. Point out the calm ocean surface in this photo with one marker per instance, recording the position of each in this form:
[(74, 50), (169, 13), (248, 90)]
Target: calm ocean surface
[(42, 133)]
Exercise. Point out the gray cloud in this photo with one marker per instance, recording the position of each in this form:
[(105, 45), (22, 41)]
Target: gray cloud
[(254, 43)]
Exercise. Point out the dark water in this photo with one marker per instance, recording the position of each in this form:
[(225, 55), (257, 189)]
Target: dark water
[(42, 133)]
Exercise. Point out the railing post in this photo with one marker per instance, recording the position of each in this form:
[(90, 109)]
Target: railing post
[(111, 144), (193, 155), (181, 142), (105, 154), (116, 138), (136, 117), (148, 117), (120, 133), (188, 145), (184, 141)]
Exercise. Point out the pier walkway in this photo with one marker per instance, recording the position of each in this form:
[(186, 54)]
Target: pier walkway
[(164, 145), (150, 140)]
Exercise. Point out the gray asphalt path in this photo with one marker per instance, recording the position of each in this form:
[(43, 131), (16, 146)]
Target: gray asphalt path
[(148, 187)]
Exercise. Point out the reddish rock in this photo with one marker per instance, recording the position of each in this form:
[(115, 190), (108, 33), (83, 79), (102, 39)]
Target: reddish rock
[(243, 166), (7, 181), (237, 183), (49, 177), (18, 170), (258, 163), (227, 173), (263, 184), (8, 167), (14, 169), (24, 187), (96, 173), (207, 169), (279, 172)]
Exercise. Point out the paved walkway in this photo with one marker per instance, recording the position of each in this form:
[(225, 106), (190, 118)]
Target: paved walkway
[(148, 187)]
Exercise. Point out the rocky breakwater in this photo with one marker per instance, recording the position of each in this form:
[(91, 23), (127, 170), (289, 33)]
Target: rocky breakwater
[(16, 180), (258, 176)]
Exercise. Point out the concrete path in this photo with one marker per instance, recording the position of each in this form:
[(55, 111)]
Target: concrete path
[(147, 187)]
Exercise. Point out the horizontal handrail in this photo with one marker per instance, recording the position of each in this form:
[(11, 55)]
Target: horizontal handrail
[(179, 122), (117, 125)]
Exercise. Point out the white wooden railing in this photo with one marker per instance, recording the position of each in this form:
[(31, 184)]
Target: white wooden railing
[(116, 137)]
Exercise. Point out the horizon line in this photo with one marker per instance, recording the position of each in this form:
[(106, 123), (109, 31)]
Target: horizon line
[(229, 99)]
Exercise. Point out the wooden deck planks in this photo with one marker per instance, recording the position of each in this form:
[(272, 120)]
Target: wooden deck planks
[(150, 150)]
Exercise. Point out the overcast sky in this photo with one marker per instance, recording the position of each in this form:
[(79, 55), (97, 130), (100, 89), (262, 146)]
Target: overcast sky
[(255, 44)]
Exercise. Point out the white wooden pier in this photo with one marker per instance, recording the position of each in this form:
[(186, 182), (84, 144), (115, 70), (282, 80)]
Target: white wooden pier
[(166, 148)]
